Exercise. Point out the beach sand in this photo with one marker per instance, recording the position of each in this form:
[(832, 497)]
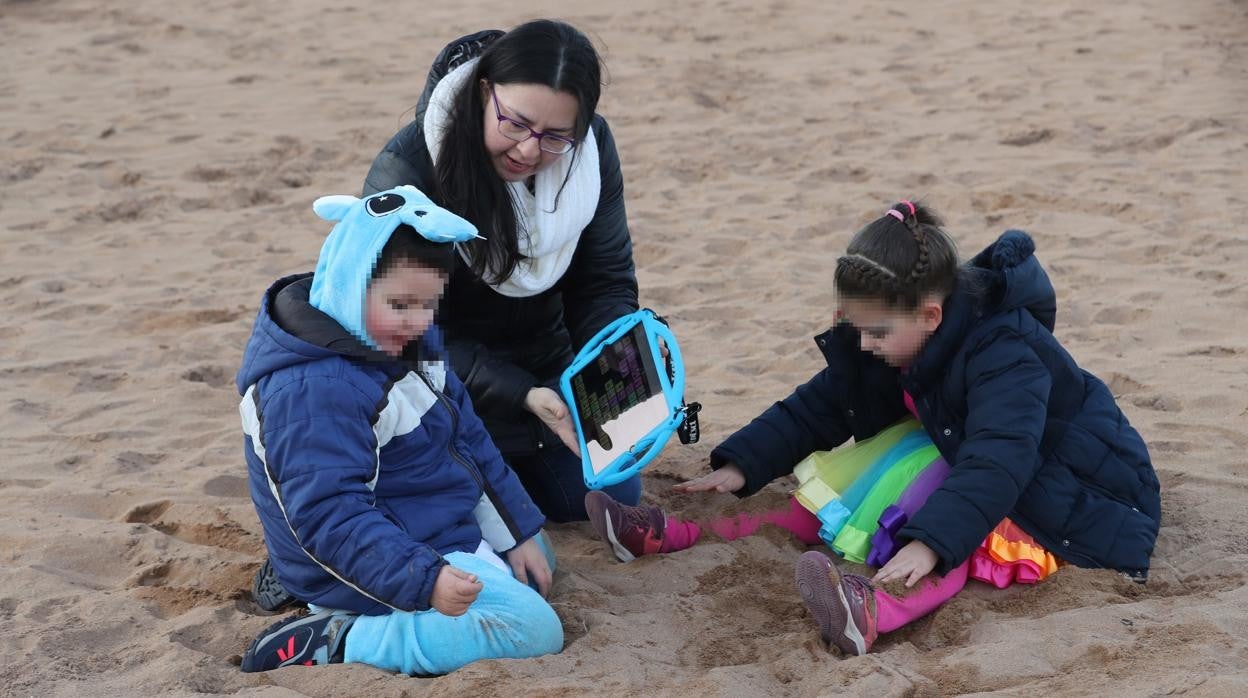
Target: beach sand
[(158, 166)]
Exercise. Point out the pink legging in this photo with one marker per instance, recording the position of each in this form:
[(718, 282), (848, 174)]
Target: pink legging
[(891, 612), (679, 534)]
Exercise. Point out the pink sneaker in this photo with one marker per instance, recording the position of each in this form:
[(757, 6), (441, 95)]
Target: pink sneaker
[(842, 604), (631, 531)]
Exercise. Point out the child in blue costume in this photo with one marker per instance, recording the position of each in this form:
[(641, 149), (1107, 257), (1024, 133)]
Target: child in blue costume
[(384, 503)]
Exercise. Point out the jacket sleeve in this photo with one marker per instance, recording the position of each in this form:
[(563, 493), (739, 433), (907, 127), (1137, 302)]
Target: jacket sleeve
[(811, 419), (1007, 405), (601, 282), (506, 513), (497, 386), (320, 459)]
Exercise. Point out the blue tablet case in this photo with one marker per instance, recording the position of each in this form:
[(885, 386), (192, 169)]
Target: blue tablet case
[(615, 386)]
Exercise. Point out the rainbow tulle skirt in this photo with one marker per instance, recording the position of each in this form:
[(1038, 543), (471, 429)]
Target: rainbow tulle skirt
[(865, 493)]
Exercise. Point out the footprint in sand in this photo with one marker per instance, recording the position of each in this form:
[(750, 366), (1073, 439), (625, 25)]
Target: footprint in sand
[(1122, 315), (98, 381), (178, 586), (222, 532), (147, 513), (214, 376), (227, 486), (208, 174), (1158, 403), (134, 461)]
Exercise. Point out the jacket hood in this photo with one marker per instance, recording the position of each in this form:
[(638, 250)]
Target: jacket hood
[(455, 54), (1014, 278), (1004, 277), (288, 330)]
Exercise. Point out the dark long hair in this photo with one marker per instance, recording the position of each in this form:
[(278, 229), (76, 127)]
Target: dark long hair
[(899, 258), (542, 52)]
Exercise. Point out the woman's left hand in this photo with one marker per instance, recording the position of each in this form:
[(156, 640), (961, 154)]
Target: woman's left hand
[(912, 563), (529, 563), (550, 408)]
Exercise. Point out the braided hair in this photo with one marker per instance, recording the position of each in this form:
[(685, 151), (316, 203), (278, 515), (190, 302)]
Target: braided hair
[(899, 258)]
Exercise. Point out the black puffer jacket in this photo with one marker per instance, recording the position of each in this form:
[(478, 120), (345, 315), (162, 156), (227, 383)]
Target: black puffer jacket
[(499, 346)]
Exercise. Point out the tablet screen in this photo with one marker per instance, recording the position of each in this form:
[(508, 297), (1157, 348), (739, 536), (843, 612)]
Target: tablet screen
[(618, 398)]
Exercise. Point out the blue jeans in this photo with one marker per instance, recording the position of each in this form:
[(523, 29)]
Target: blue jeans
[(507, 621), (554, 481)]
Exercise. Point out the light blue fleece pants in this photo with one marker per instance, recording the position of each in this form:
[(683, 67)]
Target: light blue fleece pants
[(509, 620)]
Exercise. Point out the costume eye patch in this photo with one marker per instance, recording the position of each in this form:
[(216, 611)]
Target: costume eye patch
[(384, 205)]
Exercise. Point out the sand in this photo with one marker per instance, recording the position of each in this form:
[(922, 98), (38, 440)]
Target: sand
[(158, 165)]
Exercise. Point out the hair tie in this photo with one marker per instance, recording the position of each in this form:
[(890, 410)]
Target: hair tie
[(911, 206), (895, 214)]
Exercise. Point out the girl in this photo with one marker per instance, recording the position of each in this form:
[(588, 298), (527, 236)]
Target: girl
[(1038, 452), (506, 136), (384, 504)]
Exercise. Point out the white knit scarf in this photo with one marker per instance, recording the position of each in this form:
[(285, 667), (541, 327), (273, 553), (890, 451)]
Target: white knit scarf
[(547, 234)]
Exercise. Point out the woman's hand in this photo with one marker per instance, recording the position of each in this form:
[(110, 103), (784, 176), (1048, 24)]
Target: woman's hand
[(454, 591), (528, 562), (547, 405), (727, 479), (912, 563)]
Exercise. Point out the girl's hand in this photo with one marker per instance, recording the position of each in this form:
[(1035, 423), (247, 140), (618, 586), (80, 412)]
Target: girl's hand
[(549, 407), (727, 479), (454, 591), (529, 563), (912, 563)]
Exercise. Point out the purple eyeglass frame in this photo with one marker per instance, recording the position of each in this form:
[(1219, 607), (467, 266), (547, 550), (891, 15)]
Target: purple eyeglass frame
[(532, 134)]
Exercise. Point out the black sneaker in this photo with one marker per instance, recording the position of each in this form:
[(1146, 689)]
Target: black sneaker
[(268, 591), (319, 638)]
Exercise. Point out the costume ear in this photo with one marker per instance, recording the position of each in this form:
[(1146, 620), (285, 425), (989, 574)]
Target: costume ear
[(438, 225), (335, 207)]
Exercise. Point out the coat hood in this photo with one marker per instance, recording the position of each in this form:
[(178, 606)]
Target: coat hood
[(1014, 278), (1003, 278), (288, 330)]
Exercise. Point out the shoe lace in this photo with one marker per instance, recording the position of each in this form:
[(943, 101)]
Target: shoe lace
[(861, 587), (638, 517)]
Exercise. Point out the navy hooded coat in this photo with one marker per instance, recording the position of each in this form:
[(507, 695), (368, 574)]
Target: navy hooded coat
[(1029, 435)]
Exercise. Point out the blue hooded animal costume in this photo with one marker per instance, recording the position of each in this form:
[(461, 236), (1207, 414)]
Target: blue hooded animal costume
[(1029, 435), (366, 470)]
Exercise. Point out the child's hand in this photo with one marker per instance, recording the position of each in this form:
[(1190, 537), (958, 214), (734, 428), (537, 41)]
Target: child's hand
[(454, 591), (726, 479), (549, 407), (529, 563), (912, 563)]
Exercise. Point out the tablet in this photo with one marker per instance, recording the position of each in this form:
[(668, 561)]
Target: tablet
[(624, 405)]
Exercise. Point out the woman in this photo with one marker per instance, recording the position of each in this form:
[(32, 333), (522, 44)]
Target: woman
[(505, 135)]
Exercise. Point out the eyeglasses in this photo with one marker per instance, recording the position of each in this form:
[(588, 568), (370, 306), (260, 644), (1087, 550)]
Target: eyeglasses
[(516, 131)]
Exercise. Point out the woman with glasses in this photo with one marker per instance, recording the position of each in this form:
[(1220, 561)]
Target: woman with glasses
[(505, 135)]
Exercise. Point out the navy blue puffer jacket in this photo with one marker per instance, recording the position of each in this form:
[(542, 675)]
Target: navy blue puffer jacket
[(1029, 434), (366, 470)]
